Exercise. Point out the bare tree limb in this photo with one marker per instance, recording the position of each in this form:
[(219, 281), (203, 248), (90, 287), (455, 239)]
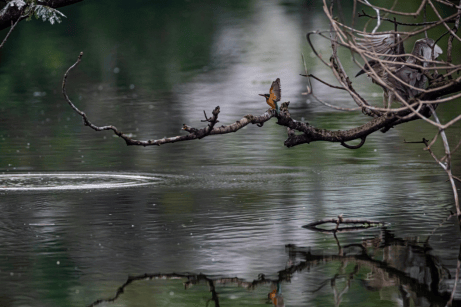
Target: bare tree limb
[(13, 25)]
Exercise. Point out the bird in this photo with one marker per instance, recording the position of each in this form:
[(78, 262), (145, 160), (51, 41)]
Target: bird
[(392, 45), (274, 96)]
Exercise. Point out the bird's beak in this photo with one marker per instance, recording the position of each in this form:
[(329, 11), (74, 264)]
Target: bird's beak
[(261, 94), (360, 73)]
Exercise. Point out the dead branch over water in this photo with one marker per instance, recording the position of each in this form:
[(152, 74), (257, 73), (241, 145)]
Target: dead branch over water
[(420, 104)]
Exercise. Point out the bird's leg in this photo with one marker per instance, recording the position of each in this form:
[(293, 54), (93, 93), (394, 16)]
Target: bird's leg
[(390, 99), (385, 98)]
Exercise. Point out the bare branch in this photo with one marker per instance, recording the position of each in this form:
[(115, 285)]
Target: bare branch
[(418, 11), (13, 25), (444, 21), (417, 24), (450, 39)]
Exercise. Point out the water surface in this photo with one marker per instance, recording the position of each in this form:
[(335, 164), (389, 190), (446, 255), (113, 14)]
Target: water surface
[(81, 212)]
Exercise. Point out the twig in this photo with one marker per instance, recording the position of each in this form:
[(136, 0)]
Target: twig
[(450, 39), (363, 14), (418, 11), (324, 82), (444, 22), (440, 224), (458, 266), (13, 25)]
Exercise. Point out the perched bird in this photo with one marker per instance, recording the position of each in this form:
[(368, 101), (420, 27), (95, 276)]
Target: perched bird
[(426, 49), (391, 44), (275, 94)]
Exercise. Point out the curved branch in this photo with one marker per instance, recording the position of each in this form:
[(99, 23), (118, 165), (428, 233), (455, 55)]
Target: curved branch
[(353, 147)]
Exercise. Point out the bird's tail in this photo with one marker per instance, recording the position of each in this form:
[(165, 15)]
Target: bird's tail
[(277, 110)]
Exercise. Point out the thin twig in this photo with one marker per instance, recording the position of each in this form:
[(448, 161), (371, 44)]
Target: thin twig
[(450, 39), (417, 24), (13, 25)]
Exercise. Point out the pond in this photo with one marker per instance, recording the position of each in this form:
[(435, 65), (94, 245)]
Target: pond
[(87, 220)]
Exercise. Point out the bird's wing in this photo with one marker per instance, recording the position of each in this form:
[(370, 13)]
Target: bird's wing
[(382, 44), (427, 52), (276, 90)]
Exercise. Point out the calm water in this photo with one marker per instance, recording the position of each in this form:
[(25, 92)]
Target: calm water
[(81, 212)]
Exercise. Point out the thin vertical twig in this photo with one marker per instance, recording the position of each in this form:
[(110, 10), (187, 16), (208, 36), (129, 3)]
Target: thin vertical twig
[(13, 25), (425, 20), (447, 165), (450, 39), (450, 302)]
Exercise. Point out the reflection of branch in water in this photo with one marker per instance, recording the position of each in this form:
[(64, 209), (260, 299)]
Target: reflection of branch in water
[(441, 224), (192, 279), (401, 259), (361, 224), (405, 264), (450, 302), (332, 282), (338, 297)]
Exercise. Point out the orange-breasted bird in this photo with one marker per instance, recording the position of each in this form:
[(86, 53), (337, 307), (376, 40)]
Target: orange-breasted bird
[(275, 94)]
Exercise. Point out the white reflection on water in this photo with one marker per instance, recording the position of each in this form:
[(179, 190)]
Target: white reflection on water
[(72, 181)]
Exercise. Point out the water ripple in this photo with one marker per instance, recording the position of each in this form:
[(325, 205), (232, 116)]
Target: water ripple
[(72, 181)]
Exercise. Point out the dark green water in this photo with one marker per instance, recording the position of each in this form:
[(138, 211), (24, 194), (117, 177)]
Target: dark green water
[(81, 211)]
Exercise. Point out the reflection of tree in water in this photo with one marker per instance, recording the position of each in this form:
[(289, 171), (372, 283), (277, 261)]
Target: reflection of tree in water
[(389, 261), (375, 264)]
